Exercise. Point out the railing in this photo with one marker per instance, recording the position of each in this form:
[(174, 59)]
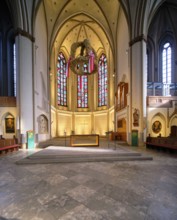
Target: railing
[(161, 89)]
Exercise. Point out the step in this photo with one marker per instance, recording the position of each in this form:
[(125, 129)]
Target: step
[(79, 159), (83, 155)]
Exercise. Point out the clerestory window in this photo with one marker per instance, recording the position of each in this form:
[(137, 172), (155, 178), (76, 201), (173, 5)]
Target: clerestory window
[(166, 68)]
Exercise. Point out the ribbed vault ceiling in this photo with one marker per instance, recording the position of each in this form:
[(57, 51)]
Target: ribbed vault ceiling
[(75, 20), (69, 21)]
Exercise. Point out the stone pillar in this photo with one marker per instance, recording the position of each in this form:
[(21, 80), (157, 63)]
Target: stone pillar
[(138, 81), (24, 85)]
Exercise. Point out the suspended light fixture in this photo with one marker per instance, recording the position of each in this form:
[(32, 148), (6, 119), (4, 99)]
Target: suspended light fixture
[(86, 62)]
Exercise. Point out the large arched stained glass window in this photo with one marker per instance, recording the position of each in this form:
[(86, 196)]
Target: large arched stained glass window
[(61, 80), (102, 81), (82, 91)]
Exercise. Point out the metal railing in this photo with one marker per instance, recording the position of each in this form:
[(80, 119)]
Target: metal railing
[(161, 89)]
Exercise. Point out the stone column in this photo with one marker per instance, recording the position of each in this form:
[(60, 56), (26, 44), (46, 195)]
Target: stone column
[(25, 111), (138, 81)]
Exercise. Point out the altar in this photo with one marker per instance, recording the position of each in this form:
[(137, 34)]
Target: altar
[(84, 140)]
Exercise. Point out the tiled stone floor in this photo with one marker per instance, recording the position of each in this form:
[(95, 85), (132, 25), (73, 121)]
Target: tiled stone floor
[(134, 190)]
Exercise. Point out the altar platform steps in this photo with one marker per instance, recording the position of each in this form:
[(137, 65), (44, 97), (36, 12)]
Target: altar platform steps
[(77, 155), (53, 142), (61, 141)]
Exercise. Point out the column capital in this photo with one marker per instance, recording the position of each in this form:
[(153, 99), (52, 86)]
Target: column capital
[(19, 31), (137, 39)]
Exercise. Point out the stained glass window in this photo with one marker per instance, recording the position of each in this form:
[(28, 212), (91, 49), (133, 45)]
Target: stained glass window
[(166, 63), (82, 91), (102, 81), (14, 68), (166, 68), (61, 80)]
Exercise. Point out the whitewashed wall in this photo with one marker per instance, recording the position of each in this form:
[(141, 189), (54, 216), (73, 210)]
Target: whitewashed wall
[(122, 61), (41, 73)]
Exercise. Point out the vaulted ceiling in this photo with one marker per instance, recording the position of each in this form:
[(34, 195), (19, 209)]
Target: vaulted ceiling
[(97, 20), (69, 21), (75, 20)]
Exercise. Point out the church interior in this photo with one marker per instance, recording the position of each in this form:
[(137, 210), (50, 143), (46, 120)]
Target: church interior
[(131, 90), (90, 69)]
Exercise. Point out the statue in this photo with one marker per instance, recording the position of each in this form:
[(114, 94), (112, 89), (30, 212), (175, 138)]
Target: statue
[(136, 118)]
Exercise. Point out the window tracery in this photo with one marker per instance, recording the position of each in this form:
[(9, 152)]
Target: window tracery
[(82, 91), (61, 80), (102, 80)]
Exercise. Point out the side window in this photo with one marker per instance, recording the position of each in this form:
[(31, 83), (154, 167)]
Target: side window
[(14, 69), (166, 63), (166, 66)]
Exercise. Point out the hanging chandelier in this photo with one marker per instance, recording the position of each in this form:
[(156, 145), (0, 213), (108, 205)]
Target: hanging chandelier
[(86, 62)]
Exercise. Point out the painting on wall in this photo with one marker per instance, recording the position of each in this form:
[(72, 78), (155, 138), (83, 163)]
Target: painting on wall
[(156, 127), (10, 125)]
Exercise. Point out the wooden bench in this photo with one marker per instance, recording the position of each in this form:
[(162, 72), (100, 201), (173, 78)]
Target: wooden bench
[(162, 143), (7, 145), (10, 148)]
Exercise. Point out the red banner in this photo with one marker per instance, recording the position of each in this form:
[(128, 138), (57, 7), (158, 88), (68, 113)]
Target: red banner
[(91, 61)]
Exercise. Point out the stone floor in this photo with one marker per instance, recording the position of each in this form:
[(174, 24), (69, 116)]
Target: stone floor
[(132, 190)]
